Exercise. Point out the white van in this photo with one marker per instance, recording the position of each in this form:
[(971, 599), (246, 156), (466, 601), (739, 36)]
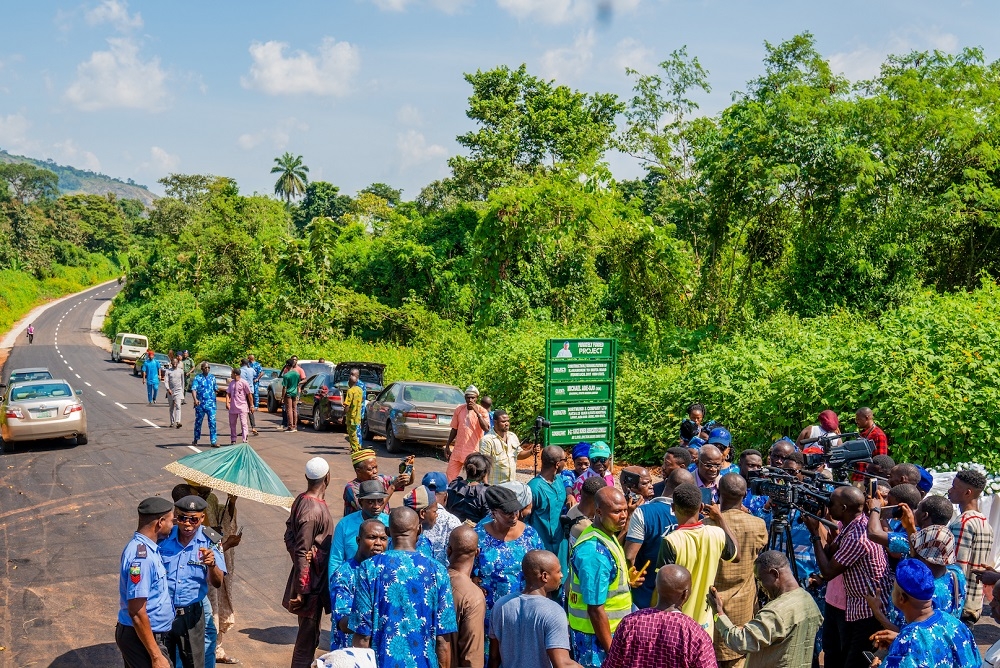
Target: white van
[(128, 347)]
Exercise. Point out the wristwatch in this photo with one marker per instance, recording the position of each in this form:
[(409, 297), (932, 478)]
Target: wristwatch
[(815, 538)]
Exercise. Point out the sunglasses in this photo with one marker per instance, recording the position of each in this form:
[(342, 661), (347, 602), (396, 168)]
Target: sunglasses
[(187, 519), (598, 460)]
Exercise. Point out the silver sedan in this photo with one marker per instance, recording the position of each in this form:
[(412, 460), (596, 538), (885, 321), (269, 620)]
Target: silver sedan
[(39, 409), (414, 412)]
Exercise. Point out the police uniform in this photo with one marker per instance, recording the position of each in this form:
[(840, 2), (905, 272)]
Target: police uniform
[(187, 580), (143, 576)]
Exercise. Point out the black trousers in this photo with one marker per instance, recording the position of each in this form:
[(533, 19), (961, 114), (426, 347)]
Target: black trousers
[(844, 642), (187, 637), (134, 653), (307, 639)]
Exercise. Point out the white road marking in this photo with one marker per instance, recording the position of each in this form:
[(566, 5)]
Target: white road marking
[(124, 408), (60, 355), (87, 384), (194, 448), (71, 368), (151, 424), (77, 375), (100, 393)]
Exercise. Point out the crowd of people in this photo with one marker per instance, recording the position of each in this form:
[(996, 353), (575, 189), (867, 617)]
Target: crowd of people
[(476, 568)]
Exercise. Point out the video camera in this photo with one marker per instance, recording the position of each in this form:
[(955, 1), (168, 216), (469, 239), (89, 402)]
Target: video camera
[(842, 457), (787, 492)]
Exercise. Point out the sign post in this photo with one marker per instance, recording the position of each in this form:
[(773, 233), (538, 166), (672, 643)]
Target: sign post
[(580, 390)]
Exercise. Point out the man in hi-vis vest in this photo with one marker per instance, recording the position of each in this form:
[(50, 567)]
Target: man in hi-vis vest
[(600, 586)]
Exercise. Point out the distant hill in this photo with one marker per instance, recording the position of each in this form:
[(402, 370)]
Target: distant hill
[(74, 181)]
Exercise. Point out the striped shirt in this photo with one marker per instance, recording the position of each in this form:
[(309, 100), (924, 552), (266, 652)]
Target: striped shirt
[(866, 569), (973, 539)]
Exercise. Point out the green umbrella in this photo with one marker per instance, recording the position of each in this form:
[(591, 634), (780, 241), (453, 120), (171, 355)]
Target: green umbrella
[(236, 470)]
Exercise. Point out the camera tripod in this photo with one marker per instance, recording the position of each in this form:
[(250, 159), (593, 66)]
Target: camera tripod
[(779, 537)]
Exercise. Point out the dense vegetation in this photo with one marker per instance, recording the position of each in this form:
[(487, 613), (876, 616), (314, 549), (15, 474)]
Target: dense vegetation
[(820, 243), (73, 181)]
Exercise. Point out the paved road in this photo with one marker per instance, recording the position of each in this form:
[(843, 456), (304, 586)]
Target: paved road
[(67, 511)]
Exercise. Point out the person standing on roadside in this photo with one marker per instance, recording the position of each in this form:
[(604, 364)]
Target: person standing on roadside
[(151, 374), (290, 396), (258, 374), (469, 424), (354, 400), (174, 379), (973, 537), (239, 396), (145, 612), (307, 539), (503, 448), (247, 373), (188, 364), (203, 393), (31, 334)]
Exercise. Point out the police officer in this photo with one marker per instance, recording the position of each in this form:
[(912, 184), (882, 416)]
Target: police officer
[(193, 560), (203, 389), (146, 613)]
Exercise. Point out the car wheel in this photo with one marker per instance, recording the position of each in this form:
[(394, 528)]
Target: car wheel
[(366, 433), (272, 403), (81, 439), (392, 444), (317, 420), (113, 359)]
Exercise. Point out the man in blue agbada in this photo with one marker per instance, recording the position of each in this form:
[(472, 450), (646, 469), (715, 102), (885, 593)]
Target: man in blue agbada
[(930, 638), (372, 540), (403, 605), (203, 390)]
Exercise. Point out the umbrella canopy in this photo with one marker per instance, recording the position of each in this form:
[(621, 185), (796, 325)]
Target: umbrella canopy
[(236, 470)]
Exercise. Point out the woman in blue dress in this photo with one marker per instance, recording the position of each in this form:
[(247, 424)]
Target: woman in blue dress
[(502, 545)]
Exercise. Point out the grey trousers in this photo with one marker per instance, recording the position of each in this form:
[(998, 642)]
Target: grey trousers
[(174, 402)]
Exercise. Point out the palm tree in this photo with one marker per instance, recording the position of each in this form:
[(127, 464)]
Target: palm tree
[(293, 179)]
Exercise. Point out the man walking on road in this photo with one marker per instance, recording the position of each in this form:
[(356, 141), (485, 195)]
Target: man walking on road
[(258, 373), (238, 398), (145, 614), (31, 334), (151, 374), (307, 539), (353, 403), (203, 392), (247, 373), (187, 364), (175, 391)]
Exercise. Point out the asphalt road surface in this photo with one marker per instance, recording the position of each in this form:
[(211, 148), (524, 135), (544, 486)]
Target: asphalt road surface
[(67, 511)]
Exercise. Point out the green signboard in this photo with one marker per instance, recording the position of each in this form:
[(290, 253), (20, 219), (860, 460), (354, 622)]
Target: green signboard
[(580, 390)]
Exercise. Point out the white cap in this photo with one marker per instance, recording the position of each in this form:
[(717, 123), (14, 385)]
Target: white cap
[(521, 491), (472, 389), (317, 468)]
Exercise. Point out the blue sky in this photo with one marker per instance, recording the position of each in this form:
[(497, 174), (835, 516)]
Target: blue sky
[(372, 90)]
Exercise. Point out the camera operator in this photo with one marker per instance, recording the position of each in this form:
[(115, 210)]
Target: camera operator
[(867, 428), (864, 568), (779, 451), (751, 462)]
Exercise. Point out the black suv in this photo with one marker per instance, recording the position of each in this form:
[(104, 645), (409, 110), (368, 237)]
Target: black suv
[(325, 409)]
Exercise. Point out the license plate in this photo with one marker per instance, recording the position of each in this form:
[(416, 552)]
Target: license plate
[(444, 419), (43, 414)]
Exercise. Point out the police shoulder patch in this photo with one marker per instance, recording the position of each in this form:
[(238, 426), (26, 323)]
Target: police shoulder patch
[(140, 551), (135, 572)]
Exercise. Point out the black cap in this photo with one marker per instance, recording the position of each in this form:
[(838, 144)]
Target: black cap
[(192, 502), (501, 498), (155, 505), (372, 489)]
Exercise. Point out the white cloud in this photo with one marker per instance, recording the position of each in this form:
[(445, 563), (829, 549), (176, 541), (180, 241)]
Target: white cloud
[(67, 152), (630, 53), (115, 13), (14, 132), (414, 149), (409, 115), (446, 6), (865, 61), (566, 63), (392, 5), (119, 78), (329, 72), (564, 11), (162, 161), (278, 136)]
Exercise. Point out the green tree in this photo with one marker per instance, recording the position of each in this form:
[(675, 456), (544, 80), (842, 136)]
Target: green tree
[(322, 200), (27, 183), (188, 188), (293, 176), (386, 192)]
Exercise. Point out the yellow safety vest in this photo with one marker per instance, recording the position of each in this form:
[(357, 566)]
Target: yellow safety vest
[(619, 601)]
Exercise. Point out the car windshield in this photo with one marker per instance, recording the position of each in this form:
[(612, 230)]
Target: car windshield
[(29, 375), (268, 374), (220, 370), (135, 343), (313, 368), (45, 391), (428, 394), (161, 357)]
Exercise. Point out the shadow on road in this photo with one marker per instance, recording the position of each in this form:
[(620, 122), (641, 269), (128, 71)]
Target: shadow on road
[(281, 635), (98, 656)]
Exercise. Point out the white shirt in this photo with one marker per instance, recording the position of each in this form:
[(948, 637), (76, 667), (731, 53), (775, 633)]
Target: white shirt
[(503, 453)]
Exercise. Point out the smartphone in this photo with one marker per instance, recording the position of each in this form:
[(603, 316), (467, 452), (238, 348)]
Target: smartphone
[(706, 496), (869, 657), (406, 465), (893, 511), (872, 488)]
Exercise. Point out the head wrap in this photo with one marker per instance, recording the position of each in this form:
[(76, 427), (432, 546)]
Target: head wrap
[(926, 480), (581, 449), (915, 578), (317, 468), (829, 421), (599, 449), (362, 456), (521, 491), (935, 544)]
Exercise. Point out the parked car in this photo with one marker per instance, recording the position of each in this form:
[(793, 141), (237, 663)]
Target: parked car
[(267, 375), (141, 359), (30, 373), (222, 372), (412, 412), (372, 376), (127, 347), (37, 409), (310, 367)]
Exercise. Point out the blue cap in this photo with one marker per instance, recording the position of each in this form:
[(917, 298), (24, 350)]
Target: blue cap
[(599, 449), (915, 578), (581, 449), (435, 481), (926, 480), (720, 436)]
